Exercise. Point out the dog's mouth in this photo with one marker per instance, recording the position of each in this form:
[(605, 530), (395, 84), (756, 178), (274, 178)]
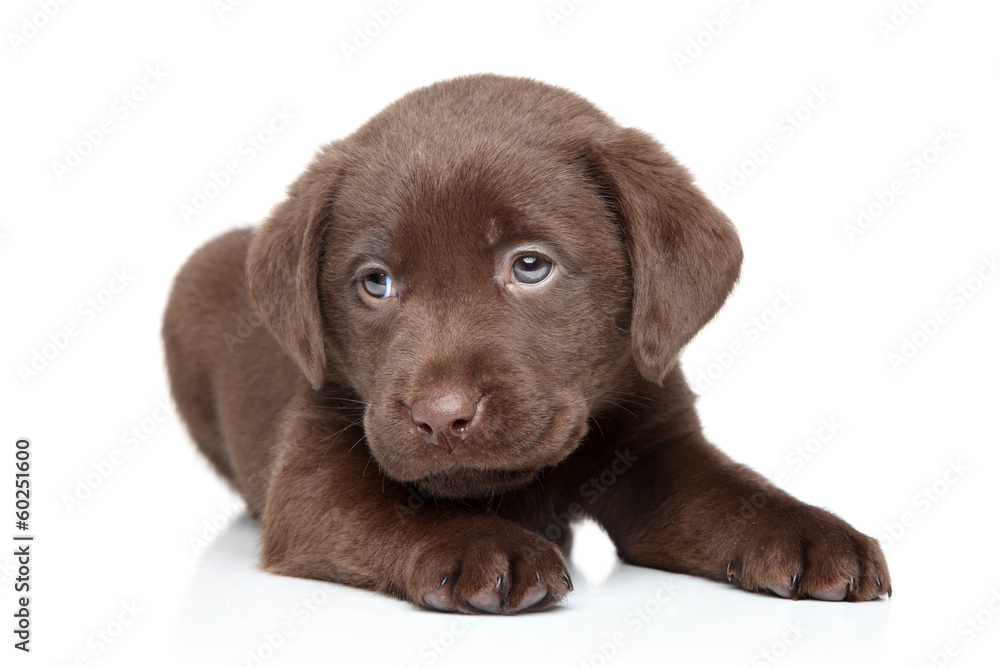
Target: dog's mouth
[(481, 465), (460, 482), (465, 474)]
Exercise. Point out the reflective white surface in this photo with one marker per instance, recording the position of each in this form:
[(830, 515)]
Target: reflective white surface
[(232, 612)]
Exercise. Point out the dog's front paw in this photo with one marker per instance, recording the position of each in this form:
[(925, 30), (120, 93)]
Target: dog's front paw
[(811, 554), (499, 568)]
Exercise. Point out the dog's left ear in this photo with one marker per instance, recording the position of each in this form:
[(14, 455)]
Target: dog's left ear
[(684, 252)]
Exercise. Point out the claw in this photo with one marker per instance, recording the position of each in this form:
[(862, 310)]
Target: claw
[(729, 572), (879, 582), (795, 580), (499, 581), (436, 598), (850, 587), (569, 582)]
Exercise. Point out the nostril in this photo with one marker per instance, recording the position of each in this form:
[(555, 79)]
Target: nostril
[(450, 414)]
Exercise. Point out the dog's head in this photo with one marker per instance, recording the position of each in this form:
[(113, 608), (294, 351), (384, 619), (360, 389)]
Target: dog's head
[(480, 264)]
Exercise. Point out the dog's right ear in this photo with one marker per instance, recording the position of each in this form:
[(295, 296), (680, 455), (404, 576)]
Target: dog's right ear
[(283, 264)]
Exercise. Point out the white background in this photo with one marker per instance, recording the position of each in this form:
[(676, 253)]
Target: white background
[(129, 551)]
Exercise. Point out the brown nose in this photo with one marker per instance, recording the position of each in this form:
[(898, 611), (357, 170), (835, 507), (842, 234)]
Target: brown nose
[(446, 419)]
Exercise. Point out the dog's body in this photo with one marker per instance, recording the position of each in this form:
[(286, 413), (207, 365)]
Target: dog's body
[(473, 309)]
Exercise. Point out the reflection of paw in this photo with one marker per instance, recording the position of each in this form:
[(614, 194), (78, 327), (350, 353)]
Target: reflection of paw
[(497, 572), (817, 556)]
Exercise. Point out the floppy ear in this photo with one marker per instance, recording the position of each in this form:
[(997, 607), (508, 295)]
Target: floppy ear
[(684, 252), (283, 264)]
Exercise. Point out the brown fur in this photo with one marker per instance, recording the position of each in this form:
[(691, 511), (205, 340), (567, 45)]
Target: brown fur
[(436, 445)]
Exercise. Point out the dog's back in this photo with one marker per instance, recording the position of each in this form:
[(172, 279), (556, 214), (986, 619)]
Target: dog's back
[(228, 376)]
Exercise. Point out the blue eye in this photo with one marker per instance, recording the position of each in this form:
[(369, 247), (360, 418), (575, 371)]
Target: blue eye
[(531, 269), (378, 285)]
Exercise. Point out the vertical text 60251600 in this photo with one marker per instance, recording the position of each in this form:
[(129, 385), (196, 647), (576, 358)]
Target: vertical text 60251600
[(22, 543)]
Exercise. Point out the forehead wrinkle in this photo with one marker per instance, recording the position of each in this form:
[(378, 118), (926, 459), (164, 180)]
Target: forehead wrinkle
[(451, 213), (466, 205)]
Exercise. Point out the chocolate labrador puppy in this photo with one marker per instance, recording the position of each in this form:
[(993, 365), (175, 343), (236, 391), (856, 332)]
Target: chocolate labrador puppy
[(458, 334)]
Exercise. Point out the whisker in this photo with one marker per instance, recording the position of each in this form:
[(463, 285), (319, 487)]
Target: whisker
[(353, 423), (360, 440), (581, 400), (500, 502), (349, 400), (631, 395), (618, 405), (366, 404), (330, 446), (350, 409)]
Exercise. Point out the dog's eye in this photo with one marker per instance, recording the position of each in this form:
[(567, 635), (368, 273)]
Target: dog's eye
[(530, 269), (378, 285)]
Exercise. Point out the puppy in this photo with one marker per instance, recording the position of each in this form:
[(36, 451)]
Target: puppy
[(458, 334)]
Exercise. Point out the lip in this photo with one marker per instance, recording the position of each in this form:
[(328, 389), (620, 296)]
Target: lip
[(473, 483), (462, 470)]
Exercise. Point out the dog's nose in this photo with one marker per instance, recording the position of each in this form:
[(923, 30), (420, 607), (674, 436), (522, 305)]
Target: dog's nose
[(444, 419)]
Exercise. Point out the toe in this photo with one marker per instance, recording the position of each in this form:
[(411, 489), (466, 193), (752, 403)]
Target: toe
[(488, 600), (533, 596), (438, 598), (780, 588), (830, 593)]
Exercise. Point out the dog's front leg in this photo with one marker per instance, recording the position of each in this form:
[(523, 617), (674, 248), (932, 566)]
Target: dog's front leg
[(331, 514), (684, 506)]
